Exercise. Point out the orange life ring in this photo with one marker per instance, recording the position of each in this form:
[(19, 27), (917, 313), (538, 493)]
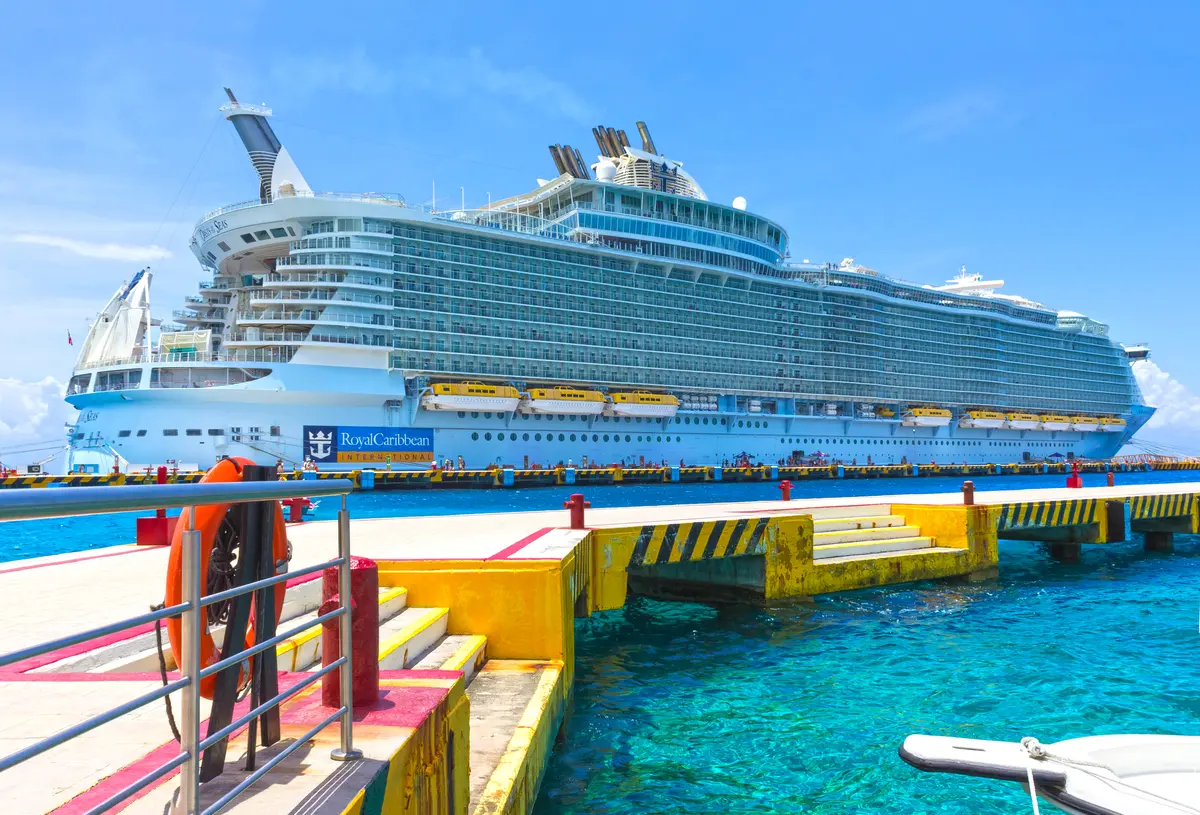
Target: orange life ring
[(208, 522)]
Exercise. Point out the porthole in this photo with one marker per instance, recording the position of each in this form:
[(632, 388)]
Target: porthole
[(741, 423), (627, 438), (524, 437), (572, 437), (537, 436), (659, 438), (474, 414), (487, 436), (462, 414), (639, 438), (606, 437), (474, 437), (487, 415), (512, 436), (561, 437), (678, 439)]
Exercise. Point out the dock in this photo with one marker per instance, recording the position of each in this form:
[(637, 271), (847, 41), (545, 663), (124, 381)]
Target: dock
[(476, 640)]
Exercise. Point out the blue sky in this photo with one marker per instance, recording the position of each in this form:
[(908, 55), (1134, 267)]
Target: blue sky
[(1050, 145)]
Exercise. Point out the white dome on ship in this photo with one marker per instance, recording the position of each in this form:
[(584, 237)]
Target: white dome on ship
[(605, 170), (739, 203)]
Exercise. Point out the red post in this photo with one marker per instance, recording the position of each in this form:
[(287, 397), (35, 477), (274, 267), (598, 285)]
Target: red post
[(296, 507), (968, 491), (364, 638), (785, 487), (1112, 480), (1074, 480), (577, 505), (161, 478)]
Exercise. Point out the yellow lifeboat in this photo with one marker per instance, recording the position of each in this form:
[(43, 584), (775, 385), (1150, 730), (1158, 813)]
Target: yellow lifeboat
[(1085, 424), (642, 403), (925, 417), (1053, 421), (1022, 421), (885, 413), (1112, 424), (570, 401), (471, 396), (982, 419)]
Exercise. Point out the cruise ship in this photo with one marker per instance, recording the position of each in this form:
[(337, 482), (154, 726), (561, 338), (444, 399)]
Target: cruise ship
[(614, 314)]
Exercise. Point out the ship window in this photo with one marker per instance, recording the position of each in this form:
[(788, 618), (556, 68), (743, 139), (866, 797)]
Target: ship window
[(561, 437), (224, 246), (660, 438), (171, 432), (606, 437), (524, 437), (210, 256), (462, 414), (487, 436), (277, 232), (262, 235), (248, 238), (572, 437), (123, 434), (78, 435), (141, 433), (193, 431), (537, 437), (291, 232), (474, 437), (474, 414), (626, 438), (274, 430), (216, 431), (487, 415), (678, 439)]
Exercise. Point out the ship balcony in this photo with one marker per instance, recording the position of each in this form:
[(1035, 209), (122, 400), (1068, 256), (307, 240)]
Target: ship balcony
[(300, 296), (190, 317), (254, 337), (214, 286), (377, 283), (309, 317), (194, 298)]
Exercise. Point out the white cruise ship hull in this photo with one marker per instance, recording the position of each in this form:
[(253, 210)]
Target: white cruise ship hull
[(645, 411), (565, 407), (474, 403)]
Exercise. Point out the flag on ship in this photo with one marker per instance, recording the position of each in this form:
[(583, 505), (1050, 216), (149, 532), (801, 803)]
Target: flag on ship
[(69, 340)]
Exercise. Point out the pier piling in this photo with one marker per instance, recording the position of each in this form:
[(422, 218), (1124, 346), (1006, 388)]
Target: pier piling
[(1160, 541)]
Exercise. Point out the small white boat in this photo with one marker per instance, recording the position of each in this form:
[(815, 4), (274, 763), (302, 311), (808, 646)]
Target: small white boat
[(982, 419), (473, 396), (1112, 425), (926, 417), (1053, 422), (1095, 775), (1022, 421), (568, 401), (1085, 424), (644, 404)]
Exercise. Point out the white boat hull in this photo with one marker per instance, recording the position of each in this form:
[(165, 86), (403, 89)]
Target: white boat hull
[(1120, 774), (644, 411), (1085, 427), (1113, 428), (981, 424), (1056, 426), (499, 404), (1022, 424), (566, 407), (925, 421)]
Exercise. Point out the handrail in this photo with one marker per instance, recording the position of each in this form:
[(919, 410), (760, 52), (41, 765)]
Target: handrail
[(28, 505)]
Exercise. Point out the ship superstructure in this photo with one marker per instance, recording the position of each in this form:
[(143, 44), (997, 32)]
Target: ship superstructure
[(614, 313)]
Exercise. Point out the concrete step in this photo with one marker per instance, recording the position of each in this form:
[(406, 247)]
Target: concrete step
[(870, 533), (510, 707), (911, 553), (455, 652), (857, 511), (839, 551), (409, 634), (303, 651), (862, 522)]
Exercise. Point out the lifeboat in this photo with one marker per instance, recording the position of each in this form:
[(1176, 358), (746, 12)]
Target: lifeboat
[(642, 403), (925, 417), (471, 396), (569, 401), (1112, 424), (1022, 421), (885, 413), (1085, 424), (1052, 421), (982, 419)]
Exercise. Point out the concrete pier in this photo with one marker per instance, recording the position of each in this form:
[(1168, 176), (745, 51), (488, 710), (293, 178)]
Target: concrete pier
[(476, 637)]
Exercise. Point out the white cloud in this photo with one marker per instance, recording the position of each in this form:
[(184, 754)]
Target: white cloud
[(1177, 407), (955, 114), (32, 415), (458, 75), (132, 253)]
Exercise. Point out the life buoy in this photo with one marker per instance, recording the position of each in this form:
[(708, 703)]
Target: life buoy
[(208, 523)]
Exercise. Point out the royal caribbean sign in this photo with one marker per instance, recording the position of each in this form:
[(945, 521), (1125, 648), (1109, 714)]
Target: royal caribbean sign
[(328, 443)]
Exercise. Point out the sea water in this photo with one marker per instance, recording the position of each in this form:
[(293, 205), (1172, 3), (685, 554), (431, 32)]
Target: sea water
[(690, 709), (28, 539)]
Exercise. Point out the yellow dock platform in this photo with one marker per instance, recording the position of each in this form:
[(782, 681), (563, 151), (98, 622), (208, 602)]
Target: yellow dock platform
[(476, 631)]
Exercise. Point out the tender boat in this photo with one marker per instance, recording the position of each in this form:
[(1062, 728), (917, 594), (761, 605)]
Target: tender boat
[(1112, 424), (472, 396), (1022, 421), (1085, 424), (642, 403), (1095, 775), (885, 413), (1053, 421), (982, 419), (926, 417), (569, 401)]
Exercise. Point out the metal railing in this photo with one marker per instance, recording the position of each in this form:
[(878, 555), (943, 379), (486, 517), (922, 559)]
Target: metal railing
[(32, 504)]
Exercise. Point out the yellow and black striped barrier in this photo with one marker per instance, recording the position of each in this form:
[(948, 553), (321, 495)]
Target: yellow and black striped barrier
[(1142, 507), (1040, 514), (470, 478), (699, 540)]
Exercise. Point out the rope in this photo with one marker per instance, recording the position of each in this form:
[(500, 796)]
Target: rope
[(162, 667)]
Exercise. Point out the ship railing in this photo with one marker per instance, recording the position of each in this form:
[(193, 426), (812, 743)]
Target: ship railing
[(20, 505), (180, 357), (391, 198)]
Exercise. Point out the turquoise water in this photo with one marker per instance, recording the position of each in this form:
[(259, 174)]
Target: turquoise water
[(688, 709), (28, 539)]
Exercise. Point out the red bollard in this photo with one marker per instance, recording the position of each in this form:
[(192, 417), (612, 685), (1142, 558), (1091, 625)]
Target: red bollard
[(156, 531), (364, 639), (576, 505), (1074, 480), (785, 487), (296, 507), (1112, 481), (968, 491)]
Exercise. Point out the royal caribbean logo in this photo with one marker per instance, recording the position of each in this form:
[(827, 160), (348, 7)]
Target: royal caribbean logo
[(368, 444)]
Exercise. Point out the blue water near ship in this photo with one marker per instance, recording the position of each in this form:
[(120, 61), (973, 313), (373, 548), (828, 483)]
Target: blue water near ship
[(687, 709), (28, 539)]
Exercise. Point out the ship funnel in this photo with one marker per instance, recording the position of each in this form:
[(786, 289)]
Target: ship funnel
[(270, 159), (647, 142)]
